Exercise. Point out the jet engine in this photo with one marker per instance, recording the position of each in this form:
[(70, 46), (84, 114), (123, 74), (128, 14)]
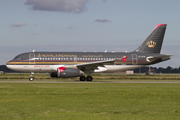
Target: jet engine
[(69, 72)]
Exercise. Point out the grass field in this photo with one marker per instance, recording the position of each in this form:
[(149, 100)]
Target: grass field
[(89, 101), (102, 76)]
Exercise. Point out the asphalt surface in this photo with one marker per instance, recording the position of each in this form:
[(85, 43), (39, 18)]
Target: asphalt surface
[(165, 81)]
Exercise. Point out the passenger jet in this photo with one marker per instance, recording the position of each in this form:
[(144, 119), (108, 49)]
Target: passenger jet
[(79, 64)]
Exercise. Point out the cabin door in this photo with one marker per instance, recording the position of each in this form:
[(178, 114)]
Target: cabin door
[(134, 59), (31, 58)]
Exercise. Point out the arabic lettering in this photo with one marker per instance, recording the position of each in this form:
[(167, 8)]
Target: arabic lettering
[(97, 56)]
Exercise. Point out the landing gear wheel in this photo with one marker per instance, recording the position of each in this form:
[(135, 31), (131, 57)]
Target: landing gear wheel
[(82, 78), (31, 79), (89, 78), (31, 76)]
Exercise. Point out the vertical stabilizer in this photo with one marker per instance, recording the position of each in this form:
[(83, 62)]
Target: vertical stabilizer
[(153, 42)]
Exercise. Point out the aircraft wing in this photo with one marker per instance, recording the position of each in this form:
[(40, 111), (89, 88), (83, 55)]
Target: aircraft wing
[(94, 65)]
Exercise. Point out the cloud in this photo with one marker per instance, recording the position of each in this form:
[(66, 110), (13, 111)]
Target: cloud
[(103, 20), (19, 24), (67, 6)]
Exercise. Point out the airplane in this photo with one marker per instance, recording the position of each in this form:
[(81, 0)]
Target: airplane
[(79, 64)]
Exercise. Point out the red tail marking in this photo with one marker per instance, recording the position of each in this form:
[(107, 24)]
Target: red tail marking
[(159, 25)]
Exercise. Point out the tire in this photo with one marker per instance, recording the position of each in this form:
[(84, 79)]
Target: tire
[(89, 78), (31, 79), (82, 78)]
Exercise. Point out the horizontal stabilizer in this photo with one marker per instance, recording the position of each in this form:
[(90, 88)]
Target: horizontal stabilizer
[(162, 58)]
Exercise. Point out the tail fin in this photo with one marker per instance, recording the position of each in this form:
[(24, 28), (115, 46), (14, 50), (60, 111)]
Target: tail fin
[(153, 42)]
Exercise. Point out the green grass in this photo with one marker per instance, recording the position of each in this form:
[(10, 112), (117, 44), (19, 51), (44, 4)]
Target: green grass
[(102, 76), (89, 101)]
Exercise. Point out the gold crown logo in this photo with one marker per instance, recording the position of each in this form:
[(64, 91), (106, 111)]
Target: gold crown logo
[(151, 44)]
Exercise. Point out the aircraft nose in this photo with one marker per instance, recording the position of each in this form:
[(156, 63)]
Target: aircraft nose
[(11, 67), (8, 65)]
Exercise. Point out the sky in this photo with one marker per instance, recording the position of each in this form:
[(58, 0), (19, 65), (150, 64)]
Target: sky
[(86, 25)]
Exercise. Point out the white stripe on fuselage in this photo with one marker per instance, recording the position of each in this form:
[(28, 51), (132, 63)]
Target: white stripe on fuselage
[(53, 68), (34, 68)]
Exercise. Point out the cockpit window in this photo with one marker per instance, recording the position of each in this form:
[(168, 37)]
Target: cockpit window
[(18, 58)]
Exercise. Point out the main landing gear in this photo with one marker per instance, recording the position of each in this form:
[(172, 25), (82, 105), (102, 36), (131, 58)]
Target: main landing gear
[(31, 77), (88, 78)]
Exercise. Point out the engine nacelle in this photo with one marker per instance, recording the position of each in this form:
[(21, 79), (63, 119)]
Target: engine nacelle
[(69, 72)]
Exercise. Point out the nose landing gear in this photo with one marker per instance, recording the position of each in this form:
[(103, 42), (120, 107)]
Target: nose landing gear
[(31, 76)]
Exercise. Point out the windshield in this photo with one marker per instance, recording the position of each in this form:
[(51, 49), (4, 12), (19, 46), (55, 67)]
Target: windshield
[(18, 58)]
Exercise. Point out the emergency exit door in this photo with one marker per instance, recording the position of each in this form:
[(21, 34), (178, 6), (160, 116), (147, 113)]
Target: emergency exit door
[(134, 59)]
